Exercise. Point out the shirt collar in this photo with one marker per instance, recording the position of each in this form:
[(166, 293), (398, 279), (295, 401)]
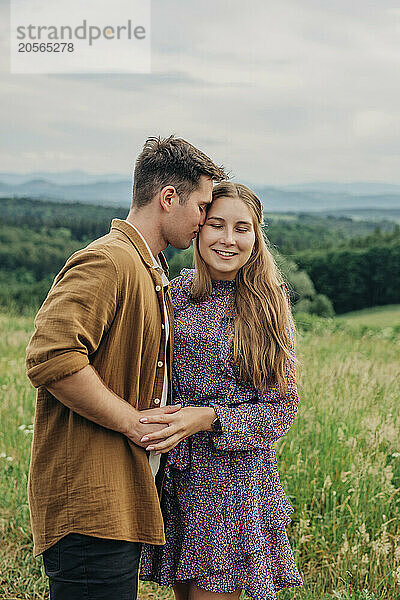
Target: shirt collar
[(142, 247), (156, 263)]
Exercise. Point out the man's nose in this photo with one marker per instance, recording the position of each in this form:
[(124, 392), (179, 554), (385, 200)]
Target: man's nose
[(202, 218)]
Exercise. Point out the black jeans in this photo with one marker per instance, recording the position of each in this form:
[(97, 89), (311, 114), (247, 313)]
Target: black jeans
[(81, 567)]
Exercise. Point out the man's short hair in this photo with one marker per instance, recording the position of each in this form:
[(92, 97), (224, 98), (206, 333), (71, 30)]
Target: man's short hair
[(170, 161)]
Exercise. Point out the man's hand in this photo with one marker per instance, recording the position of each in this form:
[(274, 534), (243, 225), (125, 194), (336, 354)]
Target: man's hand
[(136, 429), (177, 426)]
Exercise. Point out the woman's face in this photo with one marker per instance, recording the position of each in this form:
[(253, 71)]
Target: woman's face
[(227, 237)]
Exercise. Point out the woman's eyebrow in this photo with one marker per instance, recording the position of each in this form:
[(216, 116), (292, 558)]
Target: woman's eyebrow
[(237, 222)]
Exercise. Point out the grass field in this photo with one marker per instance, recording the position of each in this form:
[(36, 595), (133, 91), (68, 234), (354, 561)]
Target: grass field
[(378, 316), (339, 464)]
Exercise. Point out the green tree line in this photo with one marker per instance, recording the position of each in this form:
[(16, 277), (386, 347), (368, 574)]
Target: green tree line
[(356, 278), (287, 233), (37, 237)]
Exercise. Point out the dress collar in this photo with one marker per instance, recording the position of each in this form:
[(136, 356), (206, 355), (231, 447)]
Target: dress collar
[(222, 285)]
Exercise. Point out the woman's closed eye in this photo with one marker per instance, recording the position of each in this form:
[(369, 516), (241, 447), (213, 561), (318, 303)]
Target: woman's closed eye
[(239, 229)]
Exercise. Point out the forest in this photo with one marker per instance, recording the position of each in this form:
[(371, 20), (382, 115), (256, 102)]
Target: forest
[(333, 264)]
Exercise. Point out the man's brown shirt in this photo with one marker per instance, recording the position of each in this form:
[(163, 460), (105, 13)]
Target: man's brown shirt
[(105, 308)]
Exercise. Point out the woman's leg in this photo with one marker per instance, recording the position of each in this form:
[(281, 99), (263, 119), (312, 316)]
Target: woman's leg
[(197, 593), (182, 590)]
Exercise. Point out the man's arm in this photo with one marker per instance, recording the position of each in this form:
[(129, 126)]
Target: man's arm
[(70, 325), (86, 394)]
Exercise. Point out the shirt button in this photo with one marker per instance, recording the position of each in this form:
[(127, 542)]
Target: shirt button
[(162, 326), (156, 400), (160, 363), (158, 288)]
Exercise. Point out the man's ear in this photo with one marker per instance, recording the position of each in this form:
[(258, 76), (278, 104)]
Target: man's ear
[(168, 196)]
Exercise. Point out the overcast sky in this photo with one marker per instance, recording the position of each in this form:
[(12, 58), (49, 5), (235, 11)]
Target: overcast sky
[(278, 92)]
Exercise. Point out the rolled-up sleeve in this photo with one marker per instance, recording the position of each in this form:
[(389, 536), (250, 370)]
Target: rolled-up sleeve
[(74, 317), (264, 419)]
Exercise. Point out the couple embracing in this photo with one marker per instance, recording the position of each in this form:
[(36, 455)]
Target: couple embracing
[(159, 402)]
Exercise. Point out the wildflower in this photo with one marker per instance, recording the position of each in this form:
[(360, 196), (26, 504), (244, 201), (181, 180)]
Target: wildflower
[(27, 429)]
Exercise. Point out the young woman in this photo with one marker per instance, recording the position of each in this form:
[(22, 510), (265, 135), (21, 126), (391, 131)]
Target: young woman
[(224, 508)]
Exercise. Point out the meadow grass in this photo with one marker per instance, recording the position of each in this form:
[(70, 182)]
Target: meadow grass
[(381, 316), (339, 464)]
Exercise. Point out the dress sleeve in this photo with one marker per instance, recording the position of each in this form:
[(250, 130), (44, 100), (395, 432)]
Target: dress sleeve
[(180, 288), (74, 317), (266, 418)]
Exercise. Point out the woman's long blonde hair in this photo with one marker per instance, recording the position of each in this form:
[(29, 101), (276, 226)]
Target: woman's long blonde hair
[(261, 346)]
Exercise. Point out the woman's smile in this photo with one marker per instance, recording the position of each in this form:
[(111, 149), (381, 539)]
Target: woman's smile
[(224, 254)]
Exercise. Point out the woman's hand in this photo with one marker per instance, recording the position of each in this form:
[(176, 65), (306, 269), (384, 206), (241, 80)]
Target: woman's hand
[(180, 425), (136, 429)]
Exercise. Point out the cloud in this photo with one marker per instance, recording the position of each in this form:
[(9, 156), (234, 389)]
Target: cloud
[(279, 93)]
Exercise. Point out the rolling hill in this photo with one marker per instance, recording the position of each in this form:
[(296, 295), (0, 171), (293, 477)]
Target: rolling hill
[(115, 190)]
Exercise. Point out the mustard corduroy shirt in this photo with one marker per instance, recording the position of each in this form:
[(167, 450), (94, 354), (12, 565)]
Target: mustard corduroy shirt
[(105, 308)]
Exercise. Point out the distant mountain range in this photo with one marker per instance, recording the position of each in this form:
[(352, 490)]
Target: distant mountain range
[(115, 190), (62, 178), (106, 193)]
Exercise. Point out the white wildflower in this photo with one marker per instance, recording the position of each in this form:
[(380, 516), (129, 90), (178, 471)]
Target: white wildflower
[(27, 429)]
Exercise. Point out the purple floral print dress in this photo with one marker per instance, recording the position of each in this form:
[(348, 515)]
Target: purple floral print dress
[(224, 508)]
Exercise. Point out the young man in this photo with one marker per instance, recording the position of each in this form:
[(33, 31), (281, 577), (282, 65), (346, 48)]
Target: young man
[(101, 358)]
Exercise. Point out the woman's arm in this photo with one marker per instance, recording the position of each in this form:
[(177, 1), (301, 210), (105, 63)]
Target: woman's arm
[(243, 427)]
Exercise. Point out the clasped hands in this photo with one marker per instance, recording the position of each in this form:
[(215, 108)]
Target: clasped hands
[(161, 429)]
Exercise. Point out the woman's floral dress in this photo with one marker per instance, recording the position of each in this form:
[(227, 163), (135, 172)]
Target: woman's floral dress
[(224, 508)]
